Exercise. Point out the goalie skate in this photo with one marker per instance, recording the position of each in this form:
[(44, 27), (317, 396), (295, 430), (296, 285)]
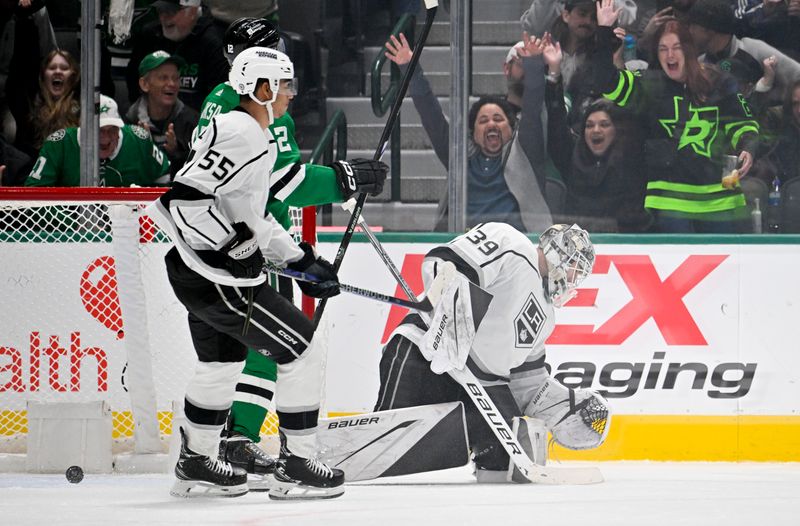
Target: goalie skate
[(202, 476), (304, 478), (242, 452)]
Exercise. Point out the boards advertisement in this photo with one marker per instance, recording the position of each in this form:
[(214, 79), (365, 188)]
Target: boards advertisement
[(694, 345)]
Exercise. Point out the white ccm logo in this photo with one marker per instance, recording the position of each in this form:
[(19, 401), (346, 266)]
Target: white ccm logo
[(351, 180), (287, 337)]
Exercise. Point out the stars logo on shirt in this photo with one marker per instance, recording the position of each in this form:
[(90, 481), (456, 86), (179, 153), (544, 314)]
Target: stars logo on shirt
[(140, 132), (57, 135), (699, 130)]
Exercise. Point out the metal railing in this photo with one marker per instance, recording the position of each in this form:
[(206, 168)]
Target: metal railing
[(381, 102), (323, 151)]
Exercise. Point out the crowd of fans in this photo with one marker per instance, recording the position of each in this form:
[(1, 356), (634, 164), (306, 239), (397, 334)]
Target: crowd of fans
[(705, 86), (640, 134)]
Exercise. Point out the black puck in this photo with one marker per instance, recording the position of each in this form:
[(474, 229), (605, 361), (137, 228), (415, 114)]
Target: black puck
[(74, 474)]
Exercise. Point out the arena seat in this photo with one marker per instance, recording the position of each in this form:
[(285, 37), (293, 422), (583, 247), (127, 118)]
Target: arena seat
[(790, 206)]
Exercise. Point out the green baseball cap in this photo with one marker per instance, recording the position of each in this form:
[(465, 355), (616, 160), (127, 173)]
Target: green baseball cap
[(156, 58)]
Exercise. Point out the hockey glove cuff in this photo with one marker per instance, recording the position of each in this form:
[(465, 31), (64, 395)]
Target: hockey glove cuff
[(244, 258), (328, 284), (363, 176)]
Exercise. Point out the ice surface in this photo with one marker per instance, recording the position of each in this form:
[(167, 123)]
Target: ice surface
[(635, 493)]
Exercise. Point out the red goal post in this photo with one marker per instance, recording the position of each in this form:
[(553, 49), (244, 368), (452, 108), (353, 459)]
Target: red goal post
[(88, 313)]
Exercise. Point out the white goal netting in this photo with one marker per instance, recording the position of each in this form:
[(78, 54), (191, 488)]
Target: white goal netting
[(88, 314)]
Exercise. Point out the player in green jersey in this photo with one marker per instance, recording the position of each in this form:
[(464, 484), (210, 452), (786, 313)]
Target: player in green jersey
[(127, 155), (292, 183)]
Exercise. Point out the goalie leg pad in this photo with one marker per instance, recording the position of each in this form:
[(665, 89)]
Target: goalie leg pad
[(395, 442)]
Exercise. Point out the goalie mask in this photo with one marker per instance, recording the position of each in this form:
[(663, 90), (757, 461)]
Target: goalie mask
[(248, 32), (256, 63), (570, 256)]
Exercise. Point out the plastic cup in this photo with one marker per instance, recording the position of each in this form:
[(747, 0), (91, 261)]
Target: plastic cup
[(730, 175)]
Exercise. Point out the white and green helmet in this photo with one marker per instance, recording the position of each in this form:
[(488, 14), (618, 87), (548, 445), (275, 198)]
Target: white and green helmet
[(256, 63), (570, 257)]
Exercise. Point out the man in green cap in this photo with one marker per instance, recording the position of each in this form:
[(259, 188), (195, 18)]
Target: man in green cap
[(159, 110)]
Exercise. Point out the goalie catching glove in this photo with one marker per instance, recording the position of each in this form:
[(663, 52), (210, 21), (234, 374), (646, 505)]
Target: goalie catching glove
[(577, 418), (244, 258), (310, 263), (360, 176)]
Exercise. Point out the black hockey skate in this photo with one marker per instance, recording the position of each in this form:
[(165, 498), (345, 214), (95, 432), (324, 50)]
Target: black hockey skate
[(202, 476), (304, 478), (240, 451)]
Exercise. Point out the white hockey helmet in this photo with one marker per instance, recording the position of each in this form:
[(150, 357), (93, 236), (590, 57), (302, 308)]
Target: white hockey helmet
[(256, 63), (570, 257)]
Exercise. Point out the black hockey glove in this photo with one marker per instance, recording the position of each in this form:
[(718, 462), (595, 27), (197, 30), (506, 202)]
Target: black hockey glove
[(244, 258), (363, 176), (312, 264)]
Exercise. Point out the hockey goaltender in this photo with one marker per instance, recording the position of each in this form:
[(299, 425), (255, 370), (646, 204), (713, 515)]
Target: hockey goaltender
[(469, 379)]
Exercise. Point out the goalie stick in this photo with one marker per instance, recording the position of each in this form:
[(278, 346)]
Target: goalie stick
[(422, 305), (431, 6), (534, 473)]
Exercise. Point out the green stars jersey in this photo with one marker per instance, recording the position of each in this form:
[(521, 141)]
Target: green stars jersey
[(292, 183), (684, 138), (685, 143), (137, 161)]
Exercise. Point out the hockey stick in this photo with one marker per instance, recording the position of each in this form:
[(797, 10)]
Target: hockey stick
[(380, 250), (431, 7), (534, 473), (423, 305)]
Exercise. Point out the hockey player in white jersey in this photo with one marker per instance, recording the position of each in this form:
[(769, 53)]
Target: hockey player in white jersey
[(507, 354), (215, 215)]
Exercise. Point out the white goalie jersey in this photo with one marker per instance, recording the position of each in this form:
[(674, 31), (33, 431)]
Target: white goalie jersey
[(505, 263), (225, 181)]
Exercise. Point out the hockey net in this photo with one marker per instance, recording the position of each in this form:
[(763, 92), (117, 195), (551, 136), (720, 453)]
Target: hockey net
[(88, 313)]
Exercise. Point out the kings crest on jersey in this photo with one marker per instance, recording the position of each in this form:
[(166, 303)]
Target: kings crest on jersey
[(505, 263), (529, 323), (233, 158)]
